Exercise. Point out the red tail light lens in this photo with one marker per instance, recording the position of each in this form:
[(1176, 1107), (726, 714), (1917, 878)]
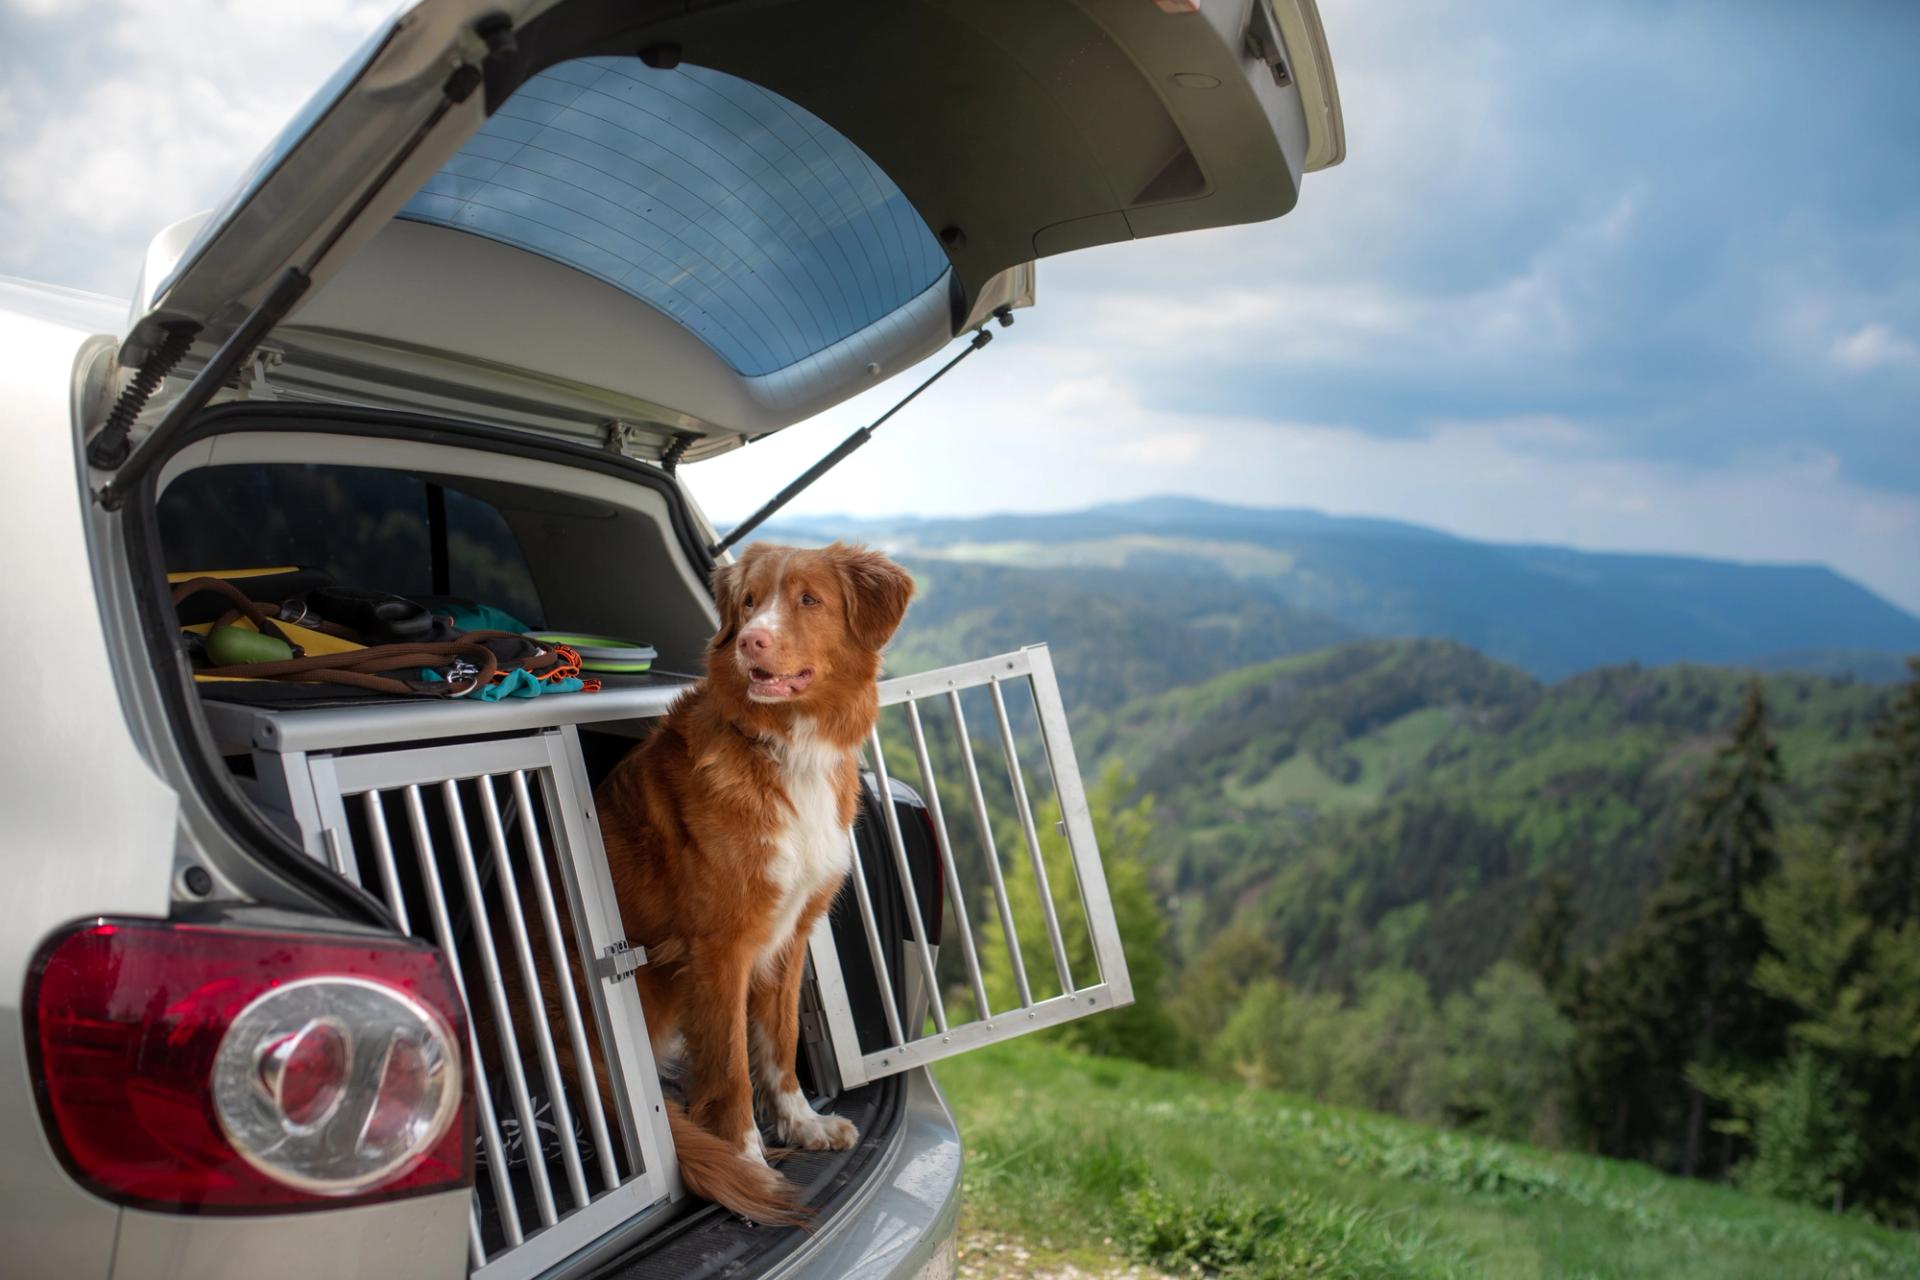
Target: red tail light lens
[(216, 1070)]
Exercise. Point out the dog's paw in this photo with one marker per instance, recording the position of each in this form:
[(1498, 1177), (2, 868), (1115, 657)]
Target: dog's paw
[(820, 1133), (800, 1126)]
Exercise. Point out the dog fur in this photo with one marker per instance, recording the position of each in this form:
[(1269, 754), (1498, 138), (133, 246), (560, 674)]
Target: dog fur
[(727, 836)]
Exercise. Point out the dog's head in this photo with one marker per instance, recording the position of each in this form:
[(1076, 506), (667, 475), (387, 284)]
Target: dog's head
[(798, 625)]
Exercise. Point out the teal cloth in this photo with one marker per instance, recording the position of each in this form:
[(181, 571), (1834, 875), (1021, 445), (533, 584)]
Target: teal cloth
[(484, 617), (518, 683)]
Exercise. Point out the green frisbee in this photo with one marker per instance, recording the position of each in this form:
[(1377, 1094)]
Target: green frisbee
[(610, 654)]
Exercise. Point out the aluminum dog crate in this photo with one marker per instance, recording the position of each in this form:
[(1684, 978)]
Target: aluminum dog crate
[(475, 823)]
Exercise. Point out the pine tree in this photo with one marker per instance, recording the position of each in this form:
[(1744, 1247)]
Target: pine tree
[(1708, 905), (1843, 925), (1854, 989), (1625, 1075), (1684, 974), (1876, 810)]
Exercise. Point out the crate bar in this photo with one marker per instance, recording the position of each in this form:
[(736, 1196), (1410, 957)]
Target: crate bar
[(443, 932), (905, 869), (965, 675), (383, 857), (536, 1010), (979, 799), (595, 911), (954, 894), (390, 880), (326, 842), (1033, 839), (585, 1233), (433, 766), (336, 857), (874, 945), (563, 978), (1068, 786), (973, 1035), (497, 995)]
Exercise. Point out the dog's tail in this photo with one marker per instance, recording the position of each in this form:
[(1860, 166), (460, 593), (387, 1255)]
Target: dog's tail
[(711, 1168)]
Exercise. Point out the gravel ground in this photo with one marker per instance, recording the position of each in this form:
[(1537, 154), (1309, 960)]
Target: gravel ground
[(988, 1255)]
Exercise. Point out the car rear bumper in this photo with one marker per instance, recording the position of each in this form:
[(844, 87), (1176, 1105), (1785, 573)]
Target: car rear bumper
[(898, 1223), (903, 1221)]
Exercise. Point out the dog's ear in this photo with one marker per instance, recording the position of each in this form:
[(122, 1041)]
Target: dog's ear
[(726, 595), (877, 593)]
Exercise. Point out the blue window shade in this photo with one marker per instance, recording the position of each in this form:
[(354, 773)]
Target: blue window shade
[(748, 220)]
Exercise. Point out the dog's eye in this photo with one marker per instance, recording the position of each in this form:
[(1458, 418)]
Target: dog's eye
[(806, 598), (748, 601)]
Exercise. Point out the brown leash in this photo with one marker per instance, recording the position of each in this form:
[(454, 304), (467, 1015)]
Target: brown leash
[(361, 668)]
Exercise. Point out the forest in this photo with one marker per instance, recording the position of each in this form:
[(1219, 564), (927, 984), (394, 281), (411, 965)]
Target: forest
[(1669, 914)]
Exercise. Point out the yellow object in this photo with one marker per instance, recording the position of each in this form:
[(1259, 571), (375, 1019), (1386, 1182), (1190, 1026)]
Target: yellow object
[(191, 574)]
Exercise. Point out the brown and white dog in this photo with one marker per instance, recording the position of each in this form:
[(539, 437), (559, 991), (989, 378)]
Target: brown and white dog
[(726, 836)]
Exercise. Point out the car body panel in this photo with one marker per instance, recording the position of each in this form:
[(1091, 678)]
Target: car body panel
[(89, 826), (424, 1237)]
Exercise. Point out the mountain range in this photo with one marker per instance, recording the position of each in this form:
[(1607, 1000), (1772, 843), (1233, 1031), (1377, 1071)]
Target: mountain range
[(1189, 575)]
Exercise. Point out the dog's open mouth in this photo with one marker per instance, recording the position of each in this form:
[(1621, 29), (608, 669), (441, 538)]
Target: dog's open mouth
[(772, 685)]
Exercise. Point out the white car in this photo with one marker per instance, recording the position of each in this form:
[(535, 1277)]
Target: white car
[(461, 333)]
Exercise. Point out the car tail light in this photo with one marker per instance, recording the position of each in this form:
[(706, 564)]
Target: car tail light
[(216, 1070)]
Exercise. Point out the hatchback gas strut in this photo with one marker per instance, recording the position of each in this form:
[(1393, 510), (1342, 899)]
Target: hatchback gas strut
[(982, 336), (219, 367)]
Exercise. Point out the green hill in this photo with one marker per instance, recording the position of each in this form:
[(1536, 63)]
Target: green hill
[(1084, 1158), (1377, 803), (1394, 804), (1115, 635)]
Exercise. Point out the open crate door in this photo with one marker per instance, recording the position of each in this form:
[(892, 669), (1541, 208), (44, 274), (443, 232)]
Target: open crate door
[(1030, 939)]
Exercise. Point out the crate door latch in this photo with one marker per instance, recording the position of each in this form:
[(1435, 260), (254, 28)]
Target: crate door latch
[(619, 961)]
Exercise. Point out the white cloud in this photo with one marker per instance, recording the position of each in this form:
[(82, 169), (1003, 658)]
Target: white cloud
[(1021, 438), (143, 113), (1543, 307), (1167, 448), (1873, 346)]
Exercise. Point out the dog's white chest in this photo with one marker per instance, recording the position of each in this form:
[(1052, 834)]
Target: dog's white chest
[(811, 852)]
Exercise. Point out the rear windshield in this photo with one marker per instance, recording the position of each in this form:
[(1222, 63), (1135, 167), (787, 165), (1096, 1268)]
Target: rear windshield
[(750, 221), (361, 526)]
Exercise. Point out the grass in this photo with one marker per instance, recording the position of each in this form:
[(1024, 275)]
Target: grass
[(1193, 1175)]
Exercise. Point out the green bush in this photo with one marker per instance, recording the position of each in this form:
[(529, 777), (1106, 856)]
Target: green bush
[(1292, 1235)]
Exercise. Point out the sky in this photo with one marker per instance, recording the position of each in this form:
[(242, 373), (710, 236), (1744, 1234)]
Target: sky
[(1640, 276)]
